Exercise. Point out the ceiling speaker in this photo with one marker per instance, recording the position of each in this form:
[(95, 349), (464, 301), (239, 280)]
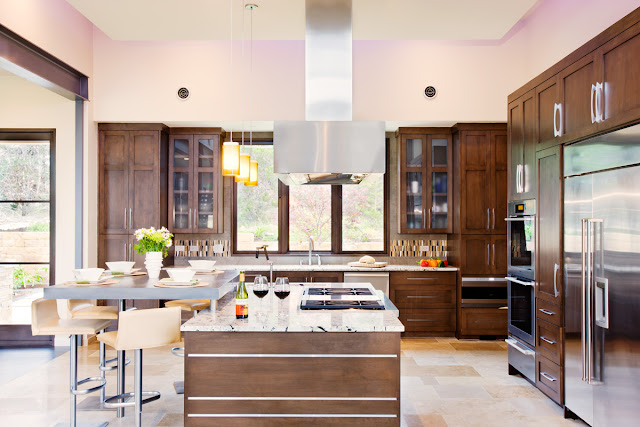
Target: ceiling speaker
[(430, 92), (183, 93)]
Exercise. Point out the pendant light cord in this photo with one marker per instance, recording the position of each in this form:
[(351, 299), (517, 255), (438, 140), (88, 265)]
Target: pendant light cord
[(251, 81), (242, 73), (231, 66)]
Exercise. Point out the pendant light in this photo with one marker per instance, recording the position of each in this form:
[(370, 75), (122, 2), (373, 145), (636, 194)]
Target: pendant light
[(231, 149), (245, 159), (253, 165)]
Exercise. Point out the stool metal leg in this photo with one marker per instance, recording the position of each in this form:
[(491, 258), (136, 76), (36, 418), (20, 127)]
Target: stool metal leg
[(73, 390), (122, 306), (138, 386)]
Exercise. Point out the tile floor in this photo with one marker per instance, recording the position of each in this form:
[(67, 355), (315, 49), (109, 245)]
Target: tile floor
[(445, 382)]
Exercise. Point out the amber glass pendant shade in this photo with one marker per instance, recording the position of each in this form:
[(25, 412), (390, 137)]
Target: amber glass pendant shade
[(230, 158), (253, 175), (245, 164)]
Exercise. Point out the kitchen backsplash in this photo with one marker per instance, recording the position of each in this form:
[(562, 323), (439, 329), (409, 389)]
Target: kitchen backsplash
[(419, 248), (185, 248), (202, 248)]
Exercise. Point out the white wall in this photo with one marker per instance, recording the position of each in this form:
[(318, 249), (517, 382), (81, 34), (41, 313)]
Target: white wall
[(26, 105)]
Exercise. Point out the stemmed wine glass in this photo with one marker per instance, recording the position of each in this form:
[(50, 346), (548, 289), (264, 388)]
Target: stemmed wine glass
[(282, 289), (260, 288)]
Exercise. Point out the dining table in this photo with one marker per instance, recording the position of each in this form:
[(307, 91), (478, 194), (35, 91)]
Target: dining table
[(212, 286)]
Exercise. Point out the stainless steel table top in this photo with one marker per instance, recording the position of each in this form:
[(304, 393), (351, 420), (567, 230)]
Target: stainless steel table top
[(141, 287)]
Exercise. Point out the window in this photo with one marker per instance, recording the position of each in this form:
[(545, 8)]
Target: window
[(25, 223), (257, 207), (339, 219)]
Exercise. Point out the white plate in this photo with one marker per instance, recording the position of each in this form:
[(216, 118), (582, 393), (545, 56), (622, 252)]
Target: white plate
[(202, 270), (168, 281)]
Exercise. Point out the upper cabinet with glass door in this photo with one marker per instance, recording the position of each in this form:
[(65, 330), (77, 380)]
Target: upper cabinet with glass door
[(195, 182), (425, 180)]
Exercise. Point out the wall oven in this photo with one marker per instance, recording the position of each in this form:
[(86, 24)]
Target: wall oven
[(521, 240)]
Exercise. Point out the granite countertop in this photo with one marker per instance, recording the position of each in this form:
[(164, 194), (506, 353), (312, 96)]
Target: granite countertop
[(332, 267), (273, 315)]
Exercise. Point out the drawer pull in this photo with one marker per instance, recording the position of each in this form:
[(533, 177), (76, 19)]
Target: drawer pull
[(422, 320), (422, 296), (545, 339), (421, 278), (484, 321), (547, 312), (549, 377)]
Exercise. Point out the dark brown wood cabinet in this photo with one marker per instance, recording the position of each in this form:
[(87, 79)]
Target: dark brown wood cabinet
[(482, 166), (426, 301), (549, 266), (483, 255), (483, 321), (132, 186), (425, 176), (195, 180), (521, 134)]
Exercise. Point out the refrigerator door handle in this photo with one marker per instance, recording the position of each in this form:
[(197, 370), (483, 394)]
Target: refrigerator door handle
[(602, 302), (583, 310)]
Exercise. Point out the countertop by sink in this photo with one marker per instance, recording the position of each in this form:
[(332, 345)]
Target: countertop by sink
[(332, 267)]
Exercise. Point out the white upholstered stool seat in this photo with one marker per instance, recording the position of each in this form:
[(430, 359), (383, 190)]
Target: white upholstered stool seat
[(88, 309), (138, 330), (189, 304), (46, 321)]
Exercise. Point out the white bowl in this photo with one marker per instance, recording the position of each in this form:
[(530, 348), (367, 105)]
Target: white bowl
[(120, 266), (88, 274), (180, 274), (202, 264)]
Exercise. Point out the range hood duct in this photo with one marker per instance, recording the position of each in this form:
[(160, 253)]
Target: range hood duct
[(328, 147)]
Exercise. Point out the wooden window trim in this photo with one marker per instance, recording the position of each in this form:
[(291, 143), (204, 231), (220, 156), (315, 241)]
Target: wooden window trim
[(336, 218)]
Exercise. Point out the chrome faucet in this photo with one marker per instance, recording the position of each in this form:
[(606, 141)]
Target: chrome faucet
[(310, 249), (266, 254)]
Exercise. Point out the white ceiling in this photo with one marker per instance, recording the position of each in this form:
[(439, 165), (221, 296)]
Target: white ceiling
[(284, 19)]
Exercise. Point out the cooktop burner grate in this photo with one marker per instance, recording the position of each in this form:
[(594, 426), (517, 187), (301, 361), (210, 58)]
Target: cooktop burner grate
[(339, 291), (340, 304)]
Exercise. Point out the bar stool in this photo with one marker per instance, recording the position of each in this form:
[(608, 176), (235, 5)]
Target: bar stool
[(138, 330), (191, 305), (46, 321), (89, 309)]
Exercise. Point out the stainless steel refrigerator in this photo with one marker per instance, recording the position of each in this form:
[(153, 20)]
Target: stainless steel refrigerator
[(602, 278)]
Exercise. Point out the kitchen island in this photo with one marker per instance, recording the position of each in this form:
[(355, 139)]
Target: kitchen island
[(287, 366)]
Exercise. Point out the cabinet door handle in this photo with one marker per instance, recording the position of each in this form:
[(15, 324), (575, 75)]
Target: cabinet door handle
[(522, 178), (557, 126), (195, 218), (547, 376), (593, 114), (429, 218), (494, 255), (125, 219), (493, 211), (130, 253), (130, 222), (518, 178), (189, 218), (547, 312), (488, 218), (488, 254), (547, 340), (124, 251), (556, 268), (599, 106)]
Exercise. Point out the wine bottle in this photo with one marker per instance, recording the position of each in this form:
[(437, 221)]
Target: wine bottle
[(242, 299)]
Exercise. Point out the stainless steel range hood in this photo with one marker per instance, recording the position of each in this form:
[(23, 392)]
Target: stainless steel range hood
[(328, 148)]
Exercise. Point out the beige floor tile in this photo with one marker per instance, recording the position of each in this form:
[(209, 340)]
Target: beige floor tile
[(461, 391)]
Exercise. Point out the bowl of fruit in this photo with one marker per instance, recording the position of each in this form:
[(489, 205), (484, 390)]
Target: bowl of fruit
[(432, 262)]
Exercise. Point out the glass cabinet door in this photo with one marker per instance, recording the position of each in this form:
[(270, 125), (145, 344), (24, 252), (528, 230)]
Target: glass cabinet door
[(207, 148), (414, 157), (414, 218), (414, 152), (438, 214), (180, 180)]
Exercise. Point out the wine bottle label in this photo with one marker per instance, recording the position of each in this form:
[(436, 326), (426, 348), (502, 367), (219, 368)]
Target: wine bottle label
[(242, 308)]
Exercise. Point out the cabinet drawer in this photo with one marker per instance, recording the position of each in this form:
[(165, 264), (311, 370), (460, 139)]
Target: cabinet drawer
[(549, 341), (424, 296), (483, 321), (423, 278), (549, 379), (432, 320), (548, 312)]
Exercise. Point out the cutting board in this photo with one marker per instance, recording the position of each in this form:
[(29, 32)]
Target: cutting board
[(363, 264)]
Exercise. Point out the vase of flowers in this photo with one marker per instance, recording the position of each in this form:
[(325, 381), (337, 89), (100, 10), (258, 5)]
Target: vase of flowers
[(153, 244)]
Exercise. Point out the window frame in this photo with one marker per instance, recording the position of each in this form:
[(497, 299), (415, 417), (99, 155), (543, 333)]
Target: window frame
[(336, 216)]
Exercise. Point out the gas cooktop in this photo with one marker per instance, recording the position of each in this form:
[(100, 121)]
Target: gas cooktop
[(340, 296)]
